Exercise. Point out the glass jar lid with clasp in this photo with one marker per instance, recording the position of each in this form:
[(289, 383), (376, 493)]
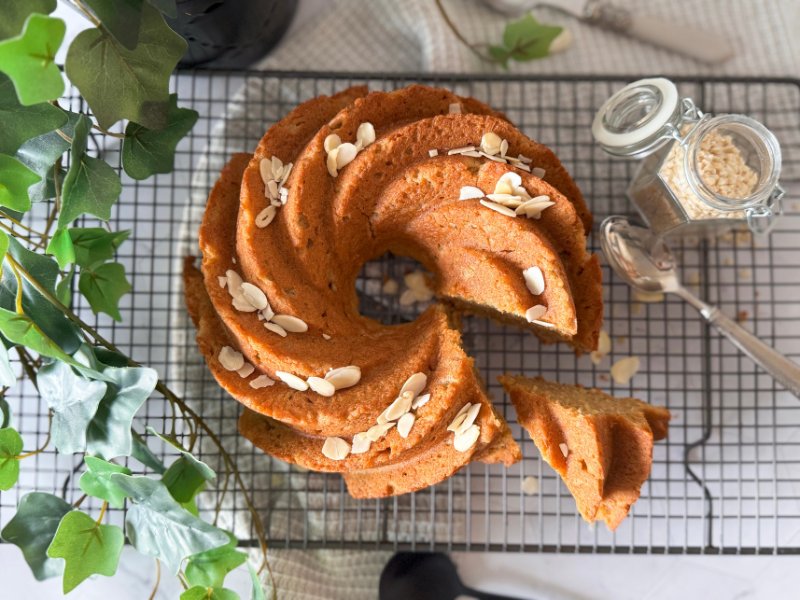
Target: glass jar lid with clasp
[(700, 174)]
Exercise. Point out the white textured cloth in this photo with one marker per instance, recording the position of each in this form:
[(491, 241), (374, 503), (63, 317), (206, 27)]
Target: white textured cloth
[(410, 36)]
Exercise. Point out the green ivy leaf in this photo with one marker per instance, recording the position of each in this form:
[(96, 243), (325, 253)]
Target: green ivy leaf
[(141, 452), (7, 376), (109, 433), (29, 59), (20, 329), (15, 179), (64, 287), (87, 548), (103, 286), (121, 18), (147, 151), (101, 67), (186, 476), (40, 154), (60, 247), (91, 185), (10, 449), (96, 481), (209, 568), (204, 593), (74, 401), (3, 248), (158, 526), (21, 123), (258, 588), (165, 6), (15, 12), (32, 529), (525, 39), (94, 245), (5, 409)]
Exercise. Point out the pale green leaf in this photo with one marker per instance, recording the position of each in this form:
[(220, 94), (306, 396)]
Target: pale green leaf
[(95, 245), (186, 477), (147, 151), (32, 529), (91, 185), (121, 18), (87, 548), (74, 401), (203, 593), (96, 481), (61, 248), (209, 568), (158, 526), (141, 452), (15, 179), (29, 59), (15, 12), (7, 375), (20, 329), (103, 286), (10, 449), (127, 84), (528, 39), (257, 591)]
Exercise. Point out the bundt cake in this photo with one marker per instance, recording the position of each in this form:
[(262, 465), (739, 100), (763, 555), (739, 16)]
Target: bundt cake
[(343, 179), (602, 447)]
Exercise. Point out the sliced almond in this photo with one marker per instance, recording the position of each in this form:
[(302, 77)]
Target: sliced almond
[(376, 432), (275, 328), (470, 192), (400, 406), (361, 443), (331, 142), (534, 280), (624, 369), (293, 381), (404, 424), (503, 210), (365, 134), (254, 296), (524, 159), (272, 188), (508, 200), (471, 153), (534, 312), (460, 150), (503, 147), (510, 179), (344, 377), (321, 386), (530, 485), (325, 336), (277, 167), (415, 384), (459, 418), (335, 448), (390, 287), (466, 440), (234, 282), (407, 298), (290, 323), (246, 370), (538, 172), (433, 152), (469, 418), (241, 304), (287, 170), (494, 158), (544, 324), (345, 155), (490, 143), (454, 108), (603, 347), (262, 381), (265, 168), (230, 359), (420, 401), (268, 313), (330, 162), (266, 216), (564, 449), (523, 167)]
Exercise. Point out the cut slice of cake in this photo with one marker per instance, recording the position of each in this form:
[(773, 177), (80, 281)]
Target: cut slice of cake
[(601, 446)]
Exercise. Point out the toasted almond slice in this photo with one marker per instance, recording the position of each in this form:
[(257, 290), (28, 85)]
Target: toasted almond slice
[(277, 167), (266, 216), (262, 381), (508, 200), (524, 159), (330, 162), (254, 295), (530, 486), (290, 323), (407, 298), (538, 172), (490, 143), (534, 280), (345, 155), (275, 328), (390, 287), (511, 178), (459, 418), (454, 108), (268, 313), (534, 312), (503, 147), (400, 406), (241, 304), (522, 166), (376, 432), (272, 188), (470, 192), (335, 448), (624, 369), (331, 142), (544, 324), (420, 401), (433, 152), (604, 342), (365, 133), (325, 336), (404, 424), (344, 377), (469, 418), (223, 281), (361, 443), (460, 150), (265, 168), (471, 154), (415, 384), (230, 359), (564, 449), (293, 381), (321, 386), (494, 158), (503, 210), (466, 440), (287, 170), (234, 282), (246, 370)]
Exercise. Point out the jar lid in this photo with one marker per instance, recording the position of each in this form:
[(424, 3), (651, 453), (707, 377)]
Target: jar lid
[(633, 121)]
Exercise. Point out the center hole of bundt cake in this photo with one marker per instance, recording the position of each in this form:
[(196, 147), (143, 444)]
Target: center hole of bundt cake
[(393, 289)]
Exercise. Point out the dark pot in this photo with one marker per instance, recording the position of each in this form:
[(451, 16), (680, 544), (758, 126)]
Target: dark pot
[(230, 33)]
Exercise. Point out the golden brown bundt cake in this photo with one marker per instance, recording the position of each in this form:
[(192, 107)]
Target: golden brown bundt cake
[(602, 447), (342, 179)]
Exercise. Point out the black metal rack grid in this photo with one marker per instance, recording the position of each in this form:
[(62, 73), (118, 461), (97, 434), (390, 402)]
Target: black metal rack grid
[(727, 480)]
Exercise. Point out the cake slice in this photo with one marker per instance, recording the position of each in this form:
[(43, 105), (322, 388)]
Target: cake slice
[(602, 447)]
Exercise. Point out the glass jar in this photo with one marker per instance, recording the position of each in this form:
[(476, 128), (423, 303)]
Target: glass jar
[(699, 174)]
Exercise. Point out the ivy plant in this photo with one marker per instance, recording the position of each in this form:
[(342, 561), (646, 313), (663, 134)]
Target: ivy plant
[(121, 65)]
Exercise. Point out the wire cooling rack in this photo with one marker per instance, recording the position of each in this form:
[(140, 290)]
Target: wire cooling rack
[(727, 479)]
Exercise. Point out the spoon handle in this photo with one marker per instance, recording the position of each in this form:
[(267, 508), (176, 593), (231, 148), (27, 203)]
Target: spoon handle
[(776, 364), (479, 595)]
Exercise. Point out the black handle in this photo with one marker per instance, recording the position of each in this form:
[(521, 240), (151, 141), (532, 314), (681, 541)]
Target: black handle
[(478, 595)]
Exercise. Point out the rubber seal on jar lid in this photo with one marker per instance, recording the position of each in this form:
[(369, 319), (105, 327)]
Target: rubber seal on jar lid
[(635, 114)]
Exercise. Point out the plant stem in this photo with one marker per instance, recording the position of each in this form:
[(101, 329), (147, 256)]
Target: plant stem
[(158, 580), (78, 5), (56, 207), (27, 365), (46, 443), (102, 512), (452, 26), (119, 136)]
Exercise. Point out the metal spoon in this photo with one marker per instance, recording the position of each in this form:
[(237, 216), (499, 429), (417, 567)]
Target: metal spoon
[(426, 576), (647, 264)]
